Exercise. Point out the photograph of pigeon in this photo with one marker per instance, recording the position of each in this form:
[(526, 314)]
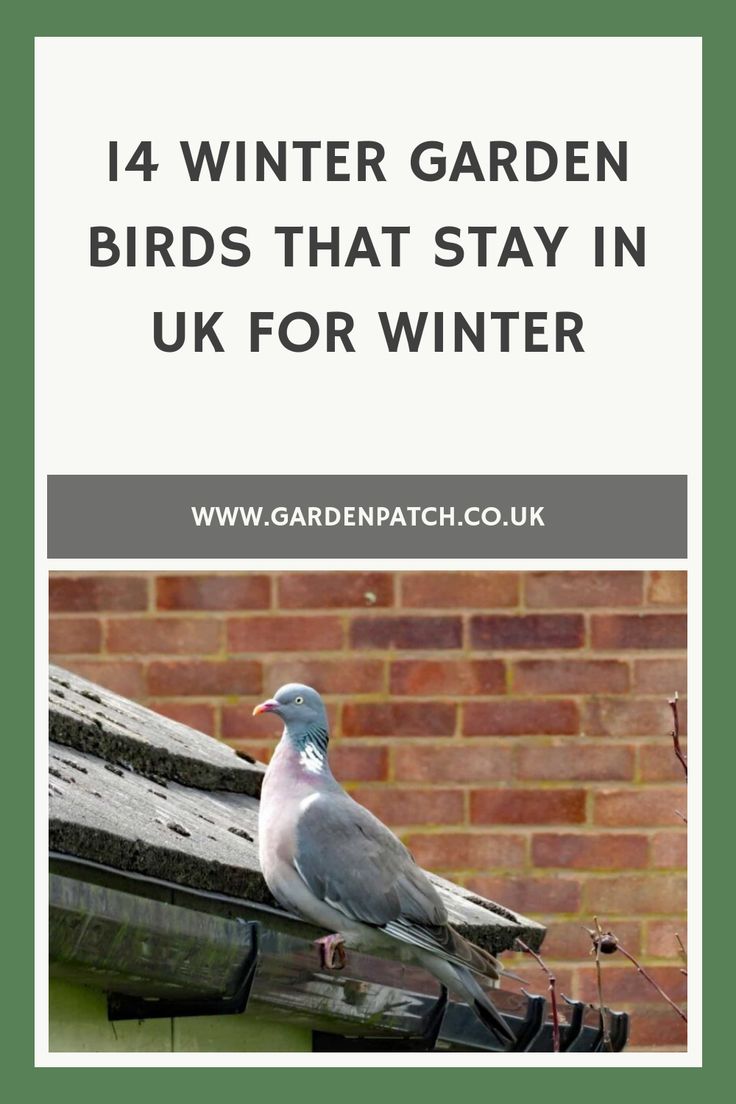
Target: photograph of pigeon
[(369, 810), (333, 862)]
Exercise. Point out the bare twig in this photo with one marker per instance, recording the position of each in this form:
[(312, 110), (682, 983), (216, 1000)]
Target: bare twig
[(608, 943), (683, 952), (598, 938), (676, 732), (652, 982), (552, 984)]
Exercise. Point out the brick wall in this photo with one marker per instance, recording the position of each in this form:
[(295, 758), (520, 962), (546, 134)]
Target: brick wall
[(512, 727)]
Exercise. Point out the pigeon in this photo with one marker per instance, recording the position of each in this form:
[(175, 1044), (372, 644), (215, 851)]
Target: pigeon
[(332, 862)]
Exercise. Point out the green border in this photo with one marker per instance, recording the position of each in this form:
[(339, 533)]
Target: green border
[(710, 19)]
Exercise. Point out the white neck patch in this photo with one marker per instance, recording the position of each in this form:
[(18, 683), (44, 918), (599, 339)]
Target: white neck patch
[(312, 759)]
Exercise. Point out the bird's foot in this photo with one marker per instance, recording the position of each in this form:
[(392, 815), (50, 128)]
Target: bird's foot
[(332, 952)]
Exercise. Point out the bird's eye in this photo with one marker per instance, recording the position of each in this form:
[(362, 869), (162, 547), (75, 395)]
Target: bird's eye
[(298, 701)]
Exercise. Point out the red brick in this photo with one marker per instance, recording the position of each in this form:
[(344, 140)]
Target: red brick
[(213, 592), (399, 806), (669, 850), (657, 1026), (398, 719), (575, 760), (453, 764), (623, 982), (120, 677), (328, 676), (521, 718), (658, 763), (527, 806), (359, 763), (619, 851), (204, 678), (570, 676), (406, 632), (284, 634), (459, 589), (335, 590), (667, 588), (74, 635), (640, 807), (660, 676), (527, 632), (468, 850), (630, 717), (568, 940), (163, 635), (415, 677), (197, 715), (239, 724), (639, 630), (530, 895), (80, 593), (661, 938), (573, 589), (635, 894)]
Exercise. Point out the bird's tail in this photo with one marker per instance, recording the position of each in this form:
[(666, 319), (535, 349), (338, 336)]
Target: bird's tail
[(464, 983), (483, 1006)]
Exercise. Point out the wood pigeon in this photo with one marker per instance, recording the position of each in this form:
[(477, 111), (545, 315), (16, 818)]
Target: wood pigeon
[(329, 860)]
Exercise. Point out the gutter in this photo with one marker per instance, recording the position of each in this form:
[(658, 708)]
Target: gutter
[(158, 948)]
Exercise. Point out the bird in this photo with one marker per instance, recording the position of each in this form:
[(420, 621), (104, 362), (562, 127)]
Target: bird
[(329, 860)]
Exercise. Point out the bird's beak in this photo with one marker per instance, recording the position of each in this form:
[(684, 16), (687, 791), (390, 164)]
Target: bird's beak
[(270, 706)]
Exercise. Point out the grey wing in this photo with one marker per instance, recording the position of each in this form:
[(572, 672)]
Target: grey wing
[(348, 858), (443, 940)]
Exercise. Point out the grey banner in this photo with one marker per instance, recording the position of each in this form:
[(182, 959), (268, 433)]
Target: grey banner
[(421, 516)]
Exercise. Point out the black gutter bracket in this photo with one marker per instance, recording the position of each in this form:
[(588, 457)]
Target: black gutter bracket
[(533, 1032), (532, 1024), (122, 1006)]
